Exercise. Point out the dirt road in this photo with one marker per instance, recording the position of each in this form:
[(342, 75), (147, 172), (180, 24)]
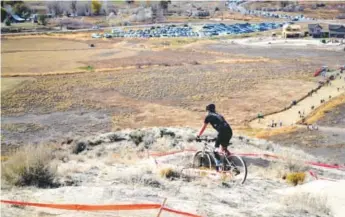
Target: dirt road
[(292, 116)]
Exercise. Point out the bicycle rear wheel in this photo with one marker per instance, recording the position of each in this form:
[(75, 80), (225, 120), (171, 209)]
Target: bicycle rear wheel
[(231, 164), (202, 160)]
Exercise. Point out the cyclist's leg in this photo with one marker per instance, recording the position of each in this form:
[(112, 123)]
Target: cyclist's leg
[(216, 146), (226, 141)]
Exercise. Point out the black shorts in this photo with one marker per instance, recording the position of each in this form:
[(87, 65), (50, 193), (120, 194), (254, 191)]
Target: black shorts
[(223, 138)]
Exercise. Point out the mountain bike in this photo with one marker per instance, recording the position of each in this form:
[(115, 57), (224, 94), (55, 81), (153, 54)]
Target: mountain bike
[(232, 167)]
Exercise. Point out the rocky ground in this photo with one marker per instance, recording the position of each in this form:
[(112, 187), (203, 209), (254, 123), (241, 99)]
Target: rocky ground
[(114, 168)]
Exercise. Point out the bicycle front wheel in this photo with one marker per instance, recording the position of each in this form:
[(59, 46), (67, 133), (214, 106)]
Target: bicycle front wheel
[(236, 169), (202, 160)]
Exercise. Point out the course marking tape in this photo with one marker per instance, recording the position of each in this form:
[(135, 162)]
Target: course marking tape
[(81, 207)]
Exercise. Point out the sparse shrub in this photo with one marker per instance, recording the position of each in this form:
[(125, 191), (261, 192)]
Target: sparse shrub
[(169, 173), (295, 178), (30, 166), (136, 137), (113, 137), (79, 147), (42, 19), (141, 177), (166, 132), (7, 22)]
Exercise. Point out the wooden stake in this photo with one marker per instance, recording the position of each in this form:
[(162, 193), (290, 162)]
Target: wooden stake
[(161, 209)]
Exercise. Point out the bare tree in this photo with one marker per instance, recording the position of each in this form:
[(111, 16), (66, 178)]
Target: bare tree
[(157, 13), (87, 9), (74, 7), (164, 4), (55, 8), (129, 2)]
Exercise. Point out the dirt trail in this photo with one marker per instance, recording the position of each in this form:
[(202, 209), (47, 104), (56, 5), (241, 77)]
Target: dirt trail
[(291, 116)]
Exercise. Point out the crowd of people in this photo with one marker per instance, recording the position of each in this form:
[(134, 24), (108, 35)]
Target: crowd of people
[(301, 114)]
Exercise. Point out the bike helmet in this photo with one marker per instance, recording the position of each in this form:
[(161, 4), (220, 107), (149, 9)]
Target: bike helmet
[(211, 108)]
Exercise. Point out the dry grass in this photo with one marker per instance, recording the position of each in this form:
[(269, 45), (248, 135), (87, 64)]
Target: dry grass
[(11, 83), (264, 134), (307, 201), (29, 166), (38, 56), (22, 127), (164, 89), (321, 110)]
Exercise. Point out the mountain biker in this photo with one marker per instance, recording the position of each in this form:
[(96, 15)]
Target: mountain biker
[(223, 128)]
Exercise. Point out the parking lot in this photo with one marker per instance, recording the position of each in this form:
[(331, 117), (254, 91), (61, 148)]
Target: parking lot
[(190, 31)]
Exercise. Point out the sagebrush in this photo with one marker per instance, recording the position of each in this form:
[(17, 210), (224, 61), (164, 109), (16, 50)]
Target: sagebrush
[(30, 166)]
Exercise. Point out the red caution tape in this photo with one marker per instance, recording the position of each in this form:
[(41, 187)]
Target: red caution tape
[(79, 207), (326, 165), (320, 178), (179, 212), (330, 166)]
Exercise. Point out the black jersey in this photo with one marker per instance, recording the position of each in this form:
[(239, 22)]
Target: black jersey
[(217, 121)]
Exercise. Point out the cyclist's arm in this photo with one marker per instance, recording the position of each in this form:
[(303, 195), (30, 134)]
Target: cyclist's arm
[(202, 129)]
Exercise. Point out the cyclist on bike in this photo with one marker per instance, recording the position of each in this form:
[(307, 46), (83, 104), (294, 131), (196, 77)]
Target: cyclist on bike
[(223, 128)]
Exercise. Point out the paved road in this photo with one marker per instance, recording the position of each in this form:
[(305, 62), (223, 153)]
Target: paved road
[(291, 116)]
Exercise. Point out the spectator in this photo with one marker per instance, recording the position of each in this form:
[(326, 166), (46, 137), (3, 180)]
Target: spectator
[(280, 123)]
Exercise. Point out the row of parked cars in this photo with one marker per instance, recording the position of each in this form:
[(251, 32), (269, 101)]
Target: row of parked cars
[(154, 31), (187, 31), (275, 15), (238, 28)]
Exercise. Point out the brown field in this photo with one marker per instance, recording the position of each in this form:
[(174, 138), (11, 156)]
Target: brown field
[(144, 83)]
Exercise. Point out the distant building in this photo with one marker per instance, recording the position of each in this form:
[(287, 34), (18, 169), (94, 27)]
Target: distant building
[(291, 30), (315, 30), (336, 31)]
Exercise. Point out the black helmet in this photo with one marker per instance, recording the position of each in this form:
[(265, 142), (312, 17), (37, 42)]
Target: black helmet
[(211, 108)]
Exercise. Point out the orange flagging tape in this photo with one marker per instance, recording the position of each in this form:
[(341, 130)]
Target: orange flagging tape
[(79, 207), (87, 207), (179, 212)]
